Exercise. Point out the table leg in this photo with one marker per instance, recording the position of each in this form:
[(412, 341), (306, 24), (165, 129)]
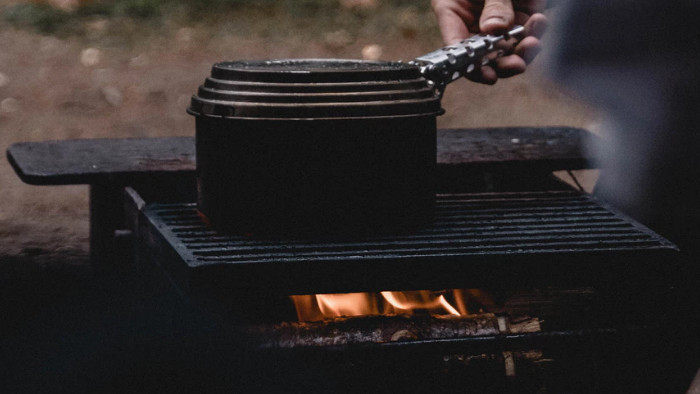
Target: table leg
[(106, 216)]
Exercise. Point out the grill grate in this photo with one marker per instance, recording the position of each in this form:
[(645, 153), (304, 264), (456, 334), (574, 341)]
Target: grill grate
[(471, 234)]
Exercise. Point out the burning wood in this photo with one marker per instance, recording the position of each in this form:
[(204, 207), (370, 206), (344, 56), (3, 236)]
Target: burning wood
[(458, 302), (390, 316), (383, 329)]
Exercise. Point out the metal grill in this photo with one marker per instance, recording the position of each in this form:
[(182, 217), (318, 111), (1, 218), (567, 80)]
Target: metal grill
[(473, 237)]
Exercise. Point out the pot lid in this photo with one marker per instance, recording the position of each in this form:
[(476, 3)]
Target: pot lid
[(314, 88)]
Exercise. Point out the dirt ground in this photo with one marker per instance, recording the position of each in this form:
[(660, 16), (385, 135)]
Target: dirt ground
[(133, 78)]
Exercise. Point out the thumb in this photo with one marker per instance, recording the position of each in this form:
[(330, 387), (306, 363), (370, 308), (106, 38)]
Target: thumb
[(497, 17)]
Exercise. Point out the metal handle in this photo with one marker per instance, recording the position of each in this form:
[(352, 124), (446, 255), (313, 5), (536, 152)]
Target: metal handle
[(455, 61)]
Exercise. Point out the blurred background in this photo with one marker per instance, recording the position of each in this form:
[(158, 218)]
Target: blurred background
[(127, 68)]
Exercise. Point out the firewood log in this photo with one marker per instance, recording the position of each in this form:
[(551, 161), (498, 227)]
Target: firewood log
[(383, 329)]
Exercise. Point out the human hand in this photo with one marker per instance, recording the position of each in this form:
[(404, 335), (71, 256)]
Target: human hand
[(460, 19)]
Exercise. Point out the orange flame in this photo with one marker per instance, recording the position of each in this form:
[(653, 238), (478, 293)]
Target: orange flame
[(387, 303), (408, 301), (322, 306), (350, 304)]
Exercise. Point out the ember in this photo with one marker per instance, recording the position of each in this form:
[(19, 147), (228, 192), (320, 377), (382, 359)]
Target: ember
[(460, 302)]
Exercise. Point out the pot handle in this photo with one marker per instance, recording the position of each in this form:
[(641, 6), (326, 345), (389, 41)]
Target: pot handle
[(455, 61)]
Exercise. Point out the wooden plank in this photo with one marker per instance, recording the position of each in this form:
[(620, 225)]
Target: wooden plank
[(556, 148), (92, 161), (129, 161)]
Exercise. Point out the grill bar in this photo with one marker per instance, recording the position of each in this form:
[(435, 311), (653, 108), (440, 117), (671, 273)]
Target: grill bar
[(436, 246), (202, 245), (471, 234)]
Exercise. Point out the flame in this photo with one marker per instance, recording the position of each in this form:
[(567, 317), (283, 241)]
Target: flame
[(437, 303), (407, 301), (322, 306), (350, 304)]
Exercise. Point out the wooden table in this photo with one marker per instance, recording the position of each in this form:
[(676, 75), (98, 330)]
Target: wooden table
[(519, 158)]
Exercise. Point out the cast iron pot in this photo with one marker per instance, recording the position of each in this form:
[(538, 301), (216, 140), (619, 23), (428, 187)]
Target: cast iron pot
[(322, 147)]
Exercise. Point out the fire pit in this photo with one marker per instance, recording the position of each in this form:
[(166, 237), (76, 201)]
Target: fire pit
[(537, 258), (545, 279)]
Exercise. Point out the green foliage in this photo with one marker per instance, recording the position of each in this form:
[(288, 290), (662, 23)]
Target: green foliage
[(42, 17), (325, 15), (130, 8), (138, 8)]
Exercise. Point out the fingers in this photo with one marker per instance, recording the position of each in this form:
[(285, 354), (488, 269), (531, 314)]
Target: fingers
[(453, 29), (504, 67), (497, 17), (523, 53), (530, 46), (453, 18), (484, 74), (528, 49), (508, 66), (536, 25)]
